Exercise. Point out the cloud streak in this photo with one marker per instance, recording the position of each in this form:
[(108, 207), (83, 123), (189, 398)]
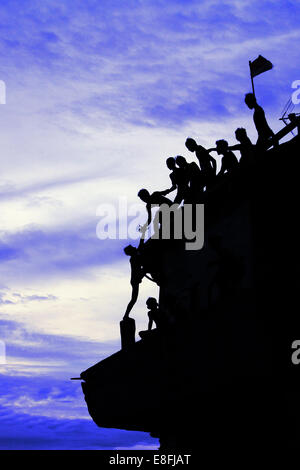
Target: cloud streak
[(99, 94)]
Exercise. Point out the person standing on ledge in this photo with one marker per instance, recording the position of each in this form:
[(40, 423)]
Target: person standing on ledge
[(263, 129), (137, 273)]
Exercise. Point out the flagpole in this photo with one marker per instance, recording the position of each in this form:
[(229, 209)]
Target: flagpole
[(251, 78)]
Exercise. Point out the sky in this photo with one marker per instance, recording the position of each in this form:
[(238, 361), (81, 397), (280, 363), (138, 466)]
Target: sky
[(98, 95)]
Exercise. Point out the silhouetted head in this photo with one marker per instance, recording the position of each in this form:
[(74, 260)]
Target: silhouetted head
[(129, 250), (181, 161), (151, 302), (250, 100), (241, 134), (171, 163), (191, 144), (222, 146), (144, 195)]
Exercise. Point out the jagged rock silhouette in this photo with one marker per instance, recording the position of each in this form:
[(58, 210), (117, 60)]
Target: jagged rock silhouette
[(218, 376)]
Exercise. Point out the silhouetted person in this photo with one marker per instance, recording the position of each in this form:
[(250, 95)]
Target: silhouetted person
[(207, 163), (194, 177), (179, 180), (263, 129), (245, 147), (229, 160), (155, 199), (155, 315), (242, 137), (137, 273)]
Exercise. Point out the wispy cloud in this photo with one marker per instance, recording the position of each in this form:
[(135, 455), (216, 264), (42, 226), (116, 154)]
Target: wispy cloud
[(40, 407), (22, 431), (98, 95)]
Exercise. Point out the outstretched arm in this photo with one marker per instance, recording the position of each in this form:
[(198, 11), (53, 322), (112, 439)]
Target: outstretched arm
[(167, 191), (146, 224), (235, 147)]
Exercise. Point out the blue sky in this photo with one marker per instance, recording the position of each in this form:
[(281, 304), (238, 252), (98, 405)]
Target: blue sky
[(99, 94)]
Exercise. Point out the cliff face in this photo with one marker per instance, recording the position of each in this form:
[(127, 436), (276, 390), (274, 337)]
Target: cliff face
[(224, 363)]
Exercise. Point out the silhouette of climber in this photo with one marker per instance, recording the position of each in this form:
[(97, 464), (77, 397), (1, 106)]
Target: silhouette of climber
[(155, 199), (179, 180), (154, 313), (207, 163), (245, 147), (242, 137), (229, 160), (194, 177), (263, 129), (137, 273)]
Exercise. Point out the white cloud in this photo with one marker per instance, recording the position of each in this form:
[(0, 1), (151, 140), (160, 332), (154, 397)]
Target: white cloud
[(97, 98)]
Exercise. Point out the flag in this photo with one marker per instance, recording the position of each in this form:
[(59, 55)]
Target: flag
[(259, 66)]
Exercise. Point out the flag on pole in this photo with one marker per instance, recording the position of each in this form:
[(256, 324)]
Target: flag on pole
[(259, 66)]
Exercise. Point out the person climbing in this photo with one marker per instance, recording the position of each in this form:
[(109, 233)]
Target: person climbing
[(207, 163), (229, 160), (245, 146), (194, 177), (179, 180), (263, 129), (137, 273), (156, 199)]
